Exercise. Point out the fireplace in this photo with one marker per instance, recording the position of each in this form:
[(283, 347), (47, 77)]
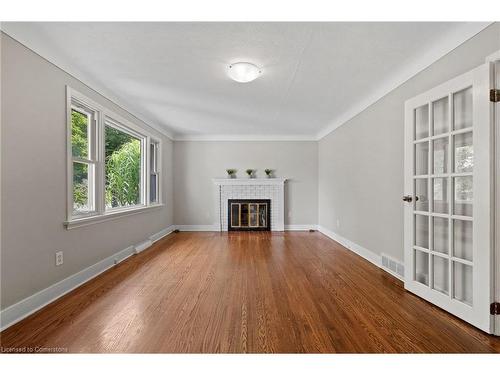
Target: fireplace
[(250, 190), (249, 214)]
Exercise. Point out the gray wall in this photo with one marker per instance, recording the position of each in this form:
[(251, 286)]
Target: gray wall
[(196, 163), (361, 162), (33, 158)]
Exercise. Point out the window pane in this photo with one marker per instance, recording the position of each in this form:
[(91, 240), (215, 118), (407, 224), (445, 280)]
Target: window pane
[(421, 192), (421, 267), (463, 196), (440, 147), (152, 157), (441, 272), (422, 122), (462, 282), (79, 134), (153, 188), (464, 153), (440, 232), (440, 195), (462, 239), (235, 214), (81, 196), (440, 116), (462, 109), (123, 168), (422, 231), (421, 158)]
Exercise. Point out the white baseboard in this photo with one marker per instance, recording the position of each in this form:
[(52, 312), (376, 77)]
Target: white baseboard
[(300, 227), (198, 228), (158, 236), (215, 227), (142, 246), (20, 310), (369, 255)]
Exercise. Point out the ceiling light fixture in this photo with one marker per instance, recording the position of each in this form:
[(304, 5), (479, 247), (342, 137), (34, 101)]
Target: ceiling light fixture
[(243, 72)]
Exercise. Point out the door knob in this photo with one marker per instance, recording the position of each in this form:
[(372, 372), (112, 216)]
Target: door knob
[(407, 198)]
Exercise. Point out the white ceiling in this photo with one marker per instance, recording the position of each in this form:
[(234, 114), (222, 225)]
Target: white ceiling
[(173, 75)]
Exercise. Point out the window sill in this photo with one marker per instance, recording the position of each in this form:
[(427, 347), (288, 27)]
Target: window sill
[(84, 221)]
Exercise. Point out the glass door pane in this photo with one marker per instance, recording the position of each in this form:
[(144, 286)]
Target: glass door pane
[(462, 109), (440, 155), (254, 218), (464, 152), (421, 267), (422, 231), (421, 158), (263, 215), (462, 196), (440, 233), (235, 214), (440, 116), (440, 202), (422, 122), (440, 274), (462, 239), (244, 215), (421, 192), (462, 282)]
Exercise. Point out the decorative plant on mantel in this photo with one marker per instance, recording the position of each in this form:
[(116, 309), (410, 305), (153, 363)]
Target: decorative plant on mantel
[(269, 173), (250, 172), (231, 172)]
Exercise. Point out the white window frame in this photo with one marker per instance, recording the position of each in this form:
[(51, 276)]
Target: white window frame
[(92, 157), (156, 170), (103, 117)]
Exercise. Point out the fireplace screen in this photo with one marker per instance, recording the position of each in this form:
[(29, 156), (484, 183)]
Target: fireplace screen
[(249, 214)]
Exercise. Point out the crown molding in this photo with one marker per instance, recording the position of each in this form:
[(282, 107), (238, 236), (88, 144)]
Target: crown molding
[(448, 44), (245, 137)]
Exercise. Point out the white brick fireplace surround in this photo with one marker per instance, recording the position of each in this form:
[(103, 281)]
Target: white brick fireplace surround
[(251, 188)]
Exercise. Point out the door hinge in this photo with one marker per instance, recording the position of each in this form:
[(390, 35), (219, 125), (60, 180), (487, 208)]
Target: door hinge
[(495, 95), (495, 308)]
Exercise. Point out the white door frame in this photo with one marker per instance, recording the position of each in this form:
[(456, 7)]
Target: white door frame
[(494, 62), (478, 314)]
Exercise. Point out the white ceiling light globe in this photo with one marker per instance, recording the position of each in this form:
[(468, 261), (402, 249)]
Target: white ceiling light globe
[(243, 72)]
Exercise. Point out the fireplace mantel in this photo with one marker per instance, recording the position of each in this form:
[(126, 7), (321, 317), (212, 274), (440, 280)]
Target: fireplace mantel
[(249, 181), (251, 188)]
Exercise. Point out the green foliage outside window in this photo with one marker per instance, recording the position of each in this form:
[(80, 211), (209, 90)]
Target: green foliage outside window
[(122, 165), (123, 175), (79, 138), (79, 143)]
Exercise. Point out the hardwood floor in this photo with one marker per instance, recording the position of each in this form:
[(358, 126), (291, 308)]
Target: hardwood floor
[(294, 292)]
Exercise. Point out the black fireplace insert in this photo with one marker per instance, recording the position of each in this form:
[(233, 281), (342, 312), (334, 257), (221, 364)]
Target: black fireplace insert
[(249, 214)]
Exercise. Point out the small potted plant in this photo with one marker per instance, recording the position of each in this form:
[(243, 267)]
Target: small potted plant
[(231, 173), (250, 173), (269, 173)]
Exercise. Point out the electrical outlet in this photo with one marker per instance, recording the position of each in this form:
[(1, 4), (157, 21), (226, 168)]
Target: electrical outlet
[(59, 258)]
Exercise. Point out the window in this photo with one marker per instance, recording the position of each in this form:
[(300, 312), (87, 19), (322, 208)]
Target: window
[(113, 165), (154, 172), (83, 125), (123, 156)]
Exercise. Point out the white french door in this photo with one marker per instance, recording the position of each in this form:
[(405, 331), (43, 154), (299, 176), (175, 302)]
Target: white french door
[(448, 197)]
